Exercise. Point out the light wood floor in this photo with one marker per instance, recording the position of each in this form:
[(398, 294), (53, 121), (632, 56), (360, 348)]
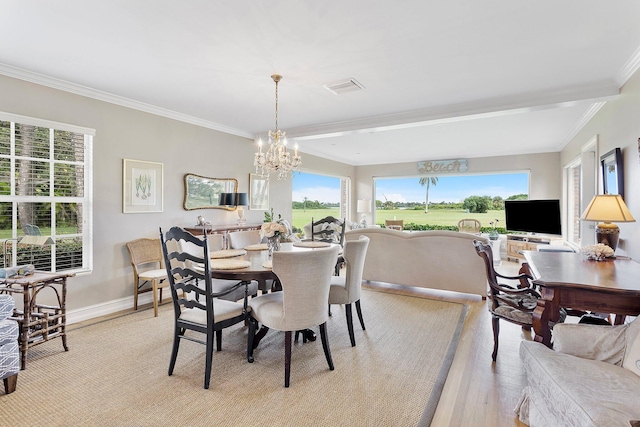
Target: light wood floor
[(478, 392)]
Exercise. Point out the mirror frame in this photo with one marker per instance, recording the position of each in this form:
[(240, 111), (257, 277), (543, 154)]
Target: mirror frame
[(612, 172), (218, 185)]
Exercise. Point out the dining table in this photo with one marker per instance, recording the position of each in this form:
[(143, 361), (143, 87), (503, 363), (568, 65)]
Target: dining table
[(254, 263)]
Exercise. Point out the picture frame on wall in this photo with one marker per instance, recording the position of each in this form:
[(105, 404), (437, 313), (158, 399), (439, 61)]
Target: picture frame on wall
[(142, 186), (258, 192), (612, 172)]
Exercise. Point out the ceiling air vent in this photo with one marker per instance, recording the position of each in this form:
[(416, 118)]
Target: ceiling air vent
[(344, 86)]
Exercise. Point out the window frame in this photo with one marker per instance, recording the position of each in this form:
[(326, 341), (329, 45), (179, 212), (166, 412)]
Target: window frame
[(86, 200)]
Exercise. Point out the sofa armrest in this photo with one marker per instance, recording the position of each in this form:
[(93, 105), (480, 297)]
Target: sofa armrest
[(595, 342)]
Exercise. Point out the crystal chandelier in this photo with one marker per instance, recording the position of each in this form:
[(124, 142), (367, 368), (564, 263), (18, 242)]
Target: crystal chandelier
[(278, 158)]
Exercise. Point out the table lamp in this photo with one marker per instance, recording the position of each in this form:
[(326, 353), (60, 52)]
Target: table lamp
[(364, 207), (607, 208), (238, 200)]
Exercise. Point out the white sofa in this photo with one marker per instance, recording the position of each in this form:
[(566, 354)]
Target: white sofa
[(444, 260), (591, 378)]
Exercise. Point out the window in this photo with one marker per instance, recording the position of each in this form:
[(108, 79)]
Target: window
[(45, 171), (317, 196)]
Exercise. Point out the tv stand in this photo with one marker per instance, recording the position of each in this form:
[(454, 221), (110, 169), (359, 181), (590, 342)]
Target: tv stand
[(517, 243)]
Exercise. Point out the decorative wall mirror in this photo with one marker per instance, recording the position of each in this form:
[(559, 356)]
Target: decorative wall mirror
[(201, 192), (612, 172)]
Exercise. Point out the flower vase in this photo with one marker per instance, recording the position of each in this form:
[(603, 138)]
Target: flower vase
[(273, 244)]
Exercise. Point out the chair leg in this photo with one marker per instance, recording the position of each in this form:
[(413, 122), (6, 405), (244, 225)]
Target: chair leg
[(252, 333), (208, 359), (135, 293), (10, 384), (495, 321), (154, 284), (350, 325), (329, 309), (359, 310), (325, 345), (287, 357), (218, 340), (174, 351)]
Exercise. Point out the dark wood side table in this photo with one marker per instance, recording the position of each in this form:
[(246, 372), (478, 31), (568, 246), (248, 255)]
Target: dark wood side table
[(221, 229), (39, 323), (570, 280)]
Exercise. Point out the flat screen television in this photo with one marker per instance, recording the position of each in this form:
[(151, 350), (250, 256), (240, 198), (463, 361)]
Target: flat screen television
[(533, 216)]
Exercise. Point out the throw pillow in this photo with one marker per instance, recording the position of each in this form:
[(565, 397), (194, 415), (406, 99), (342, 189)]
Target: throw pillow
[(632, 353), (606, 343)]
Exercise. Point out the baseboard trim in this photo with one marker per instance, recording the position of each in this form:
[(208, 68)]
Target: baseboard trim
[(104, 309)]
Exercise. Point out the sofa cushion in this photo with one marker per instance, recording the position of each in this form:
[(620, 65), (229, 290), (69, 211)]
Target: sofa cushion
[(571, 391)]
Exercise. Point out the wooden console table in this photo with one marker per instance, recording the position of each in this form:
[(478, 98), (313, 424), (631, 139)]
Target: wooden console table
[(570, 280), (221, 229), (39, 323)]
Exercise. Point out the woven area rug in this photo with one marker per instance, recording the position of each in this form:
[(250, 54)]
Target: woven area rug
[(115, 373)]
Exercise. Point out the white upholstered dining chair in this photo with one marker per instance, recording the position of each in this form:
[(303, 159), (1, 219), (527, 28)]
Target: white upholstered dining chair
[(346, 289), (242, 239), (305, 277)]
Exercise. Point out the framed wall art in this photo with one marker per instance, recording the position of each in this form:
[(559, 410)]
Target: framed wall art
[(612, 172), (141, 186), (258, 192)]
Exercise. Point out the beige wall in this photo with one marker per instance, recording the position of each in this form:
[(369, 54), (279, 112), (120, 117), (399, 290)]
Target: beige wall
[(617, 124), (545, 173), (126, 133), (184, 148)]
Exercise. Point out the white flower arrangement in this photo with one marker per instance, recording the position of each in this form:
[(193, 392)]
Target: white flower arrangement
[(598, 251), (272, 229)]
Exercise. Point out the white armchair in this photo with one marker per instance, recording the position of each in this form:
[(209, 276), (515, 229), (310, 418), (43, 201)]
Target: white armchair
[(592, 378)]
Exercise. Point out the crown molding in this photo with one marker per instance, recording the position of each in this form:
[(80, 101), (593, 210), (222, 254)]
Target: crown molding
[(88, 92), (628, 69), (598, 91), (588, 115)]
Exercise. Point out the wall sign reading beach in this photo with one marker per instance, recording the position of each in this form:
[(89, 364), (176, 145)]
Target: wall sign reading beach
[(443, 166), (141, 186)]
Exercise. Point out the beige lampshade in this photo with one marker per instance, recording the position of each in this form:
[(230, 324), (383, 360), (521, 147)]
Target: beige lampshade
[(364, 205), (607, 208)]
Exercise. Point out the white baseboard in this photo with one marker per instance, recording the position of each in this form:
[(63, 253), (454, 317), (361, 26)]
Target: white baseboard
[(110, 307)]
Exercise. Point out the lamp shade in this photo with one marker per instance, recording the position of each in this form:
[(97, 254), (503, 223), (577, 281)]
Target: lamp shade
[(226, 199), (607, 208), (241, 199), (364, 205)]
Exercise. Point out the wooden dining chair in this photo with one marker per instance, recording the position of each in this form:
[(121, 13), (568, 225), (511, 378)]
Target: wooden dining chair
[(146, 260), (197, 308), (305, 277)]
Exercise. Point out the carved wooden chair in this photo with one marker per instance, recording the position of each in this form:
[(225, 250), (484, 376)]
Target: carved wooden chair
[(511, 302), (197, 307), (469, 225)]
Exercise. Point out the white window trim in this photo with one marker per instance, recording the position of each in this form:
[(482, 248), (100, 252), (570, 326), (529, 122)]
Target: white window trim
[(87, 200)]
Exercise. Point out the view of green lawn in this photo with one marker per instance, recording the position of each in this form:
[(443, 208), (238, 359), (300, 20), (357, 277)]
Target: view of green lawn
[(434, 217)]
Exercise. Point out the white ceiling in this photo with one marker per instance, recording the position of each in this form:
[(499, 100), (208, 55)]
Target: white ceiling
[(442, 79)]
